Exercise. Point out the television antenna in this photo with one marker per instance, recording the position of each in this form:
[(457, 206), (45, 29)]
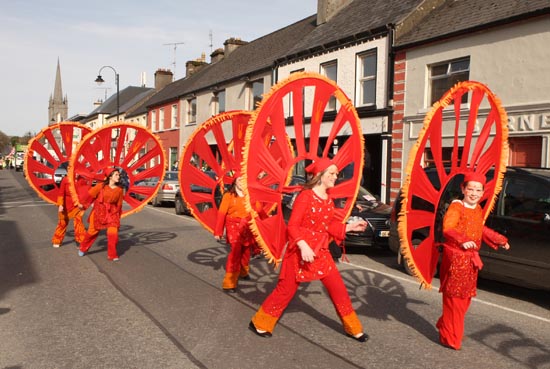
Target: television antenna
[(175, 44)]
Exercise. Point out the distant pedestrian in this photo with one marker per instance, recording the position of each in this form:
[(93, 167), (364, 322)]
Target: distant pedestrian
[(311, 226), (463, 229), (107, 199)]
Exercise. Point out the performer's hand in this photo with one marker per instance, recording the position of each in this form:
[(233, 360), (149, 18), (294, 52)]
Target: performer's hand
[(217, 238), (307, 253), (60, 208), (469, 245), (358, 226), (506, 247)]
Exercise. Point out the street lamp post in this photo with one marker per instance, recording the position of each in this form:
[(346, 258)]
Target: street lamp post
[(100, 80)]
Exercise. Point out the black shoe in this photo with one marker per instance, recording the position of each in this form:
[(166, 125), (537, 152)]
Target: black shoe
[(245, 278), (253, 328), (362, 338)]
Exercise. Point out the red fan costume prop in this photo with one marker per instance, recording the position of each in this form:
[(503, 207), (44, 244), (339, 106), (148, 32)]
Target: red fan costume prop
[(463, 229), (479, 146), (312, 224), (228, 130)]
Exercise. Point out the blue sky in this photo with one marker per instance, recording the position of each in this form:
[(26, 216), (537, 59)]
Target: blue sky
[(127, 35)]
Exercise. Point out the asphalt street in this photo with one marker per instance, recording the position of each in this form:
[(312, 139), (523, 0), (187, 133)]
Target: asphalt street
[(162, 306)]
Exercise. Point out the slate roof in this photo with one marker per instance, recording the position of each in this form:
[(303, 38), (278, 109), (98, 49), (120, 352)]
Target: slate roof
[(454, 17), (126, 97), (255, 57), (359, 20)]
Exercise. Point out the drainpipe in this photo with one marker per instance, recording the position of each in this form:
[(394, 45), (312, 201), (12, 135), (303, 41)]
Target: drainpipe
[(387, 136)]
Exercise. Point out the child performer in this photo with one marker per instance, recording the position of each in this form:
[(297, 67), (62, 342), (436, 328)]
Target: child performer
[(66, 210), (106, 213), (233, 215), (463, 229), (310, 228)]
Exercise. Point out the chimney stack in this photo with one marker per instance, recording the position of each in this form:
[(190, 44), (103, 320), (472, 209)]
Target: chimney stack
[(193, 66), (163, 77), (231, 44), (326, 9), (217, 55)]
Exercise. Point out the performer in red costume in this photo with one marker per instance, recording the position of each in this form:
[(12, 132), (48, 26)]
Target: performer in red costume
[(106, 213), (310, 228), (67, 210), (463, 229), (233, 215)]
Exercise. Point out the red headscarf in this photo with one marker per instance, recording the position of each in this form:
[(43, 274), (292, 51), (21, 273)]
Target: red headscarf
[(108, 171), (319, 165)]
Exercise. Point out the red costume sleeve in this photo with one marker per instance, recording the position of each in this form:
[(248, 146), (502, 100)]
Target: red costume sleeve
[(62, 190), (299, 209), (450, 223), (493, 238), (338, 231), (222, 212)]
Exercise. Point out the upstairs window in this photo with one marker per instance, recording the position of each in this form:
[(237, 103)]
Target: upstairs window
[(191, 111), (329, 70), (219, 99), (161, 119), (154, 120), (174, 121), (366, 79), (256, 92), (445, 75)]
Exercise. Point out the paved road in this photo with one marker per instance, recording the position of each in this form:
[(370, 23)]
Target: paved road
[(162, 305)]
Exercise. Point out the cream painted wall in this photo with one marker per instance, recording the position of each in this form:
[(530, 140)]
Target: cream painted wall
[(514, 62)]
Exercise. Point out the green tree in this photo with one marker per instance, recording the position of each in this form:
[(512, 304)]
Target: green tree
[(4, 143)]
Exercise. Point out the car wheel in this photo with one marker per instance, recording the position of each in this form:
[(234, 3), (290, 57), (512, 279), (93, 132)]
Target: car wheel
[(415, 242), (179, 207)]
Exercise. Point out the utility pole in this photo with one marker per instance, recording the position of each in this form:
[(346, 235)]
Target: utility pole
[(211, 43), (175, 44)]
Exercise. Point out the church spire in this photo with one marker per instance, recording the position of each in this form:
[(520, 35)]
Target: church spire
[(59, 107), (58, 90)]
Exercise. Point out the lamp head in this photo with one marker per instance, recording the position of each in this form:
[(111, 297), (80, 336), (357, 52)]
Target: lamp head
[(99, 80)]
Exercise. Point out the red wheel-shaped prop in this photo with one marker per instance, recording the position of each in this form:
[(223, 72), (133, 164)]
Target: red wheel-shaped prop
[(270, 159), (207, 167), (129, 147), (48, 156), (478, 145)]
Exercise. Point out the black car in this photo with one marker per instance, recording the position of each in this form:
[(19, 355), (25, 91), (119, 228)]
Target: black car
[(181, 206), (521, 213), (367, 206)]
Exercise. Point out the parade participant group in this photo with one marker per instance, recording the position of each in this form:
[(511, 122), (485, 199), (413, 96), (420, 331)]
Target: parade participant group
[(310, 229)]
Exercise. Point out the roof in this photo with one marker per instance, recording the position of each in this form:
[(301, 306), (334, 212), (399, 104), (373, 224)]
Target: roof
[(359, 20), (459, 16), (256, 56), (126, 96)]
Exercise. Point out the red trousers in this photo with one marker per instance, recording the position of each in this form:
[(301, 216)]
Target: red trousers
[(237, 265), (63, 222), (275, 304), (91, 235), (451, 322)]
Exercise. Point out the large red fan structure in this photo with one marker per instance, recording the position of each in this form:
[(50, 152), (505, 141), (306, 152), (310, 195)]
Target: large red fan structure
[(479, 145), (296, 109), (204, 173), (129, 147), (48, 156)]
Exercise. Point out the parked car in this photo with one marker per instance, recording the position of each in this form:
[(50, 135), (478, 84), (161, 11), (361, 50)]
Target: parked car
[(60, 172), (167, 191), (181, 206), (521, 213), (367, 206)]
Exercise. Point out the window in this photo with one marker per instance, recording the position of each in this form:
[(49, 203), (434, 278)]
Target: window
[(192, 111), (161, 119), (446, 156), (173, 158), (256, 92), (219, 101), (153, 120), (366, 84), (443, 76), (174, 123), (329, 70)]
